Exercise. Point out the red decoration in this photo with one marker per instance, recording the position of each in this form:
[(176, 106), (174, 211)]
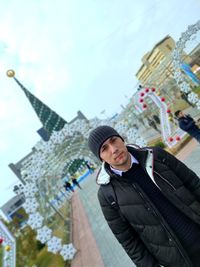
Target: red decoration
[(144, 105), (147, 90), (1, 240), (171, 139), (178, 138), (141, 100), (168, 110), (141, 94), (153, 89), (162, 99)]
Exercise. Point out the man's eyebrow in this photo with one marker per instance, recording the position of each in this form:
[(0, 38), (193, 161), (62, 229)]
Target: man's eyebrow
[(103, 146)]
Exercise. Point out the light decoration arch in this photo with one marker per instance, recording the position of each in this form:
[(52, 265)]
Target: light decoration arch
[(170, 137), (181, 81)]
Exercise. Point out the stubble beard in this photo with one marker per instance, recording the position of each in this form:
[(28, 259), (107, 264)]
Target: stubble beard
[(125, 161)]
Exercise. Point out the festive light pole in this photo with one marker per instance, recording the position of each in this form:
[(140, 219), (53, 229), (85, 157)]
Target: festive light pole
[(7, 242)]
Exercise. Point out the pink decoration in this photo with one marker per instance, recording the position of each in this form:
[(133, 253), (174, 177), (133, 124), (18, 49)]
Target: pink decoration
[(171, 139), (144, 105), (162, 99), (153, 89), (1, 240), (141, 100), (178, 138), (147, 90), (141, 94), (168, 110)]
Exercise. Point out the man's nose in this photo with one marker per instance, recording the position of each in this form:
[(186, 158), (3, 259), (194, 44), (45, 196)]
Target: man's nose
[(113, 148)]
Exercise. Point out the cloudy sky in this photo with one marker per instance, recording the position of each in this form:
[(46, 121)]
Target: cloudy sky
[(74, 55)]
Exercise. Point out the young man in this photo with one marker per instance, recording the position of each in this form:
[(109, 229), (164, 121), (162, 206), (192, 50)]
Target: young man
[(155, 214), (187, 124)]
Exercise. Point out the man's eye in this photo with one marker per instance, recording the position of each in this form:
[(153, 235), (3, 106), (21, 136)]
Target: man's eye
[(103, 148)]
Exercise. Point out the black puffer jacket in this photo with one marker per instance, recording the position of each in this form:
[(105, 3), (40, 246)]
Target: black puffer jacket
[(186, 123), (146, 237)]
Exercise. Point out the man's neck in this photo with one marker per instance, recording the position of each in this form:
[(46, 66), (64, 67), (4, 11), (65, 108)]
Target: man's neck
[(130, 162)]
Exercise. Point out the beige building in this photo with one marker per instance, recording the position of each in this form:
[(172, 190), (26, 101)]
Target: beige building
[(157, 64), (152, 59)]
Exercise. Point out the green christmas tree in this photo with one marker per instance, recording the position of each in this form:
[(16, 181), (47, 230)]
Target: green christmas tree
[(50, 120)]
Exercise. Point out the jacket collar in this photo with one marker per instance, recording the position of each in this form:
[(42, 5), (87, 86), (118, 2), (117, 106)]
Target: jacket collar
[(105, 173)]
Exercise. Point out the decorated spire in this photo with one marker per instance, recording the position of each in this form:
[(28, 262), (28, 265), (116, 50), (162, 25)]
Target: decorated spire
[(50, 120)]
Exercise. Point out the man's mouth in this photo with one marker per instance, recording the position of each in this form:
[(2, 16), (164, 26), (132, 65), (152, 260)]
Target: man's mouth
[(119, 156)]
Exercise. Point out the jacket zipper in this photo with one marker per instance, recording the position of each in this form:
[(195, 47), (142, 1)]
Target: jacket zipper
[(165, 181), (162, 221)]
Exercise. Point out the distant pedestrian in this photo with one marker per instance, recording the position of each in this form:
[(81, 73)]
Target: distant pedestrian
[(91, 170), (188, 124), (68, 186), (184, 96), (153, 124), (156, 119), (135, 126), (140, 119), (76, 183)]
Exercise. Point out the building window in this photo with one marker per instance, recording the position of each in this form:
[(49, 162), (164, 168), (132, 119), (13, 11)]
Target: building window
[(169, 47)]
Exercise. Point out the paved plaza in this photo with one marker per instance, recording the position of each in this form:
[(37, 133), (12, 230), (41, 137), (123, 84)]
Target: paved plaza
[(97, 247)]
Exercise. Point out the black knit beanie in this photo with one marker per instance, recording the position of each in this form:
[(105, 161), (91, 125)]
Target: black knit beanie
[(98, 136)]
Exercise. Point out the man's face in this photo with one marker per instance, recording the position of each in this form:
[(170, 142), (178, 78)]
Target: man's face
[(114, 152), (181, 114)]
